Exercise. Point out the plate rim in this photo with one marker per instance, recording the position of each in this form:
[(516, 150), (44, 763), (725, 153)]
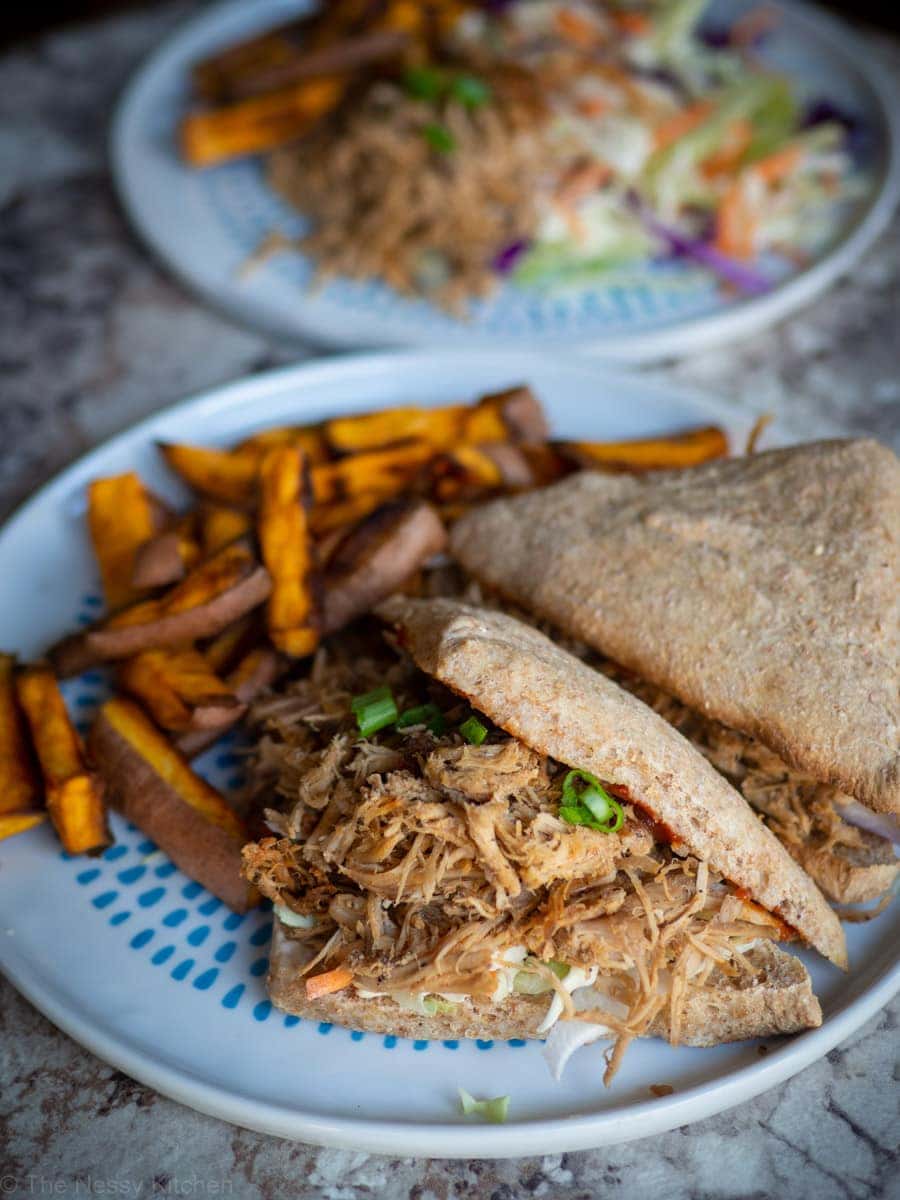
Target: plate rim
[(743, 319), (391, 1136)]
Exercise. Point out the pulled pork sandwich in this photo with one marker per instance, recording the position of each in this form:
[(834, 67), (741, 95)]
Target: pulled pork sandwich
[(755, 603), (485, 838)]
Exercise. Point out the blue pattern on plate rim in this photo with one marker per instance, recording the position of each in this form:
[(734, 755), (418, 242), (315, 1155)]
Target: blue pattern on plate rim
[(644, 296), (171, 920)]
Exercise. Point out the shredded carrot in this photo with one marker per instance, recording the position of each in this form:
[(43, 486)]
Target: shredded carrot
[(777, 166), (593, 106), (575, 29), (580, 180), (328, 982), (634, 23), (726, 159), (736, 223), (681, 124)]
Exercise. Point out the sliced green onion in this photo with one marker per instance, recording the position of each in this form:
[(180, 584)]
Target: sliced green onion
[(435, 1005), (470, 90), (491, 1110), (428, 715), (439, 138), (425, 83), (473, 731), (375, 710), (531, 983), (592, 806)]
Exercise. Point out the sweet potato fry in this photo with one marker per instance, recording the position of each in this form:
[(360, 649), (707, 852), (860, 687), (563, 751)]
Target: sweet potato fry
[(377, 557), (308, 438), (513, 415), (222, 475), (326, 519), (469, 472), (439, 428), (18, 822), (256, 671), (378, 472), (74, 793), (259, 123), (180, 690), (20, 787), (226, 649), (288, 550), (220, 524), (153, 786), (167, 557), (219, 591), (121, 519), (649, 454)]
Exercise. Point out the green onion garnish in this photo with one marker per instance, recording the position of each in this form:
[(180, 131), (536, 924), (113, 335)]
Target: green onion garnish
[(375, 710), (470, 90), (492, 1110), (473, 731), (591, 805), (425, 83), (428, 715), (439, 138)]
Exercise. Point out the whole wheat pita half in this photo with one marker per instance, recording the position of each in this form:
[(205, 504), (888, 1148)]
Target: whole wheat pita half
[(556, 705), (762, 591), (776, 998)]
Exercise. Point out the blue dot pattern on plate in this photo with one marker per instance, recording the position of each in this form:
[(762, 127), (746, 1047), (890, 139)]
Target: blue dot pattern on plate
[(171, 921), (645, 296)]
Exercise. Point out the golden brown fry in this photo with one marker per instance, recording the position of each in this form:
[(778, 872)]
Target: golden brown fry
[(256, 671), (440, 428), (219, 591), (220, 524), (12, 823), (121, 519), (340, 514), (20, 788), (308, 438), (378, 557), (229, 647), (260, 123), (180, 690), (153, 786), (513, 415), (221, 475), (74, 793), (288, 551), (649, 454), (167, 558), (378, 472)]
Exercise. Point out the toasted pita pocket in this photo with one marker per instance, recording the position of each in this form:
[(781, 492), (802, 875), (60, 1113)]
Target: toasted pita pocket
[(762, 591), (560, 707), (776, 999)]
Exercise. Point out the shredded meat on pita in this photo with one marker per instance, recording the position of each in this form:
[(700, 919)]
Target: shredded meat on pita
[(421, 862)]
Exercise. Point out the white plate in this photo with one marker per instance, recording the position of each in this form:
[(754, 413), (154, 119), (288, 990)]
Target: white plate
[(205, 225), (158, 978)]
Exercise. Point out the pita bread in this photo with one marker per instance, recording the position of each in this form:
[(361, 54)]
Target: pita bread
[(762, 591), (777, 998), (561, 708)]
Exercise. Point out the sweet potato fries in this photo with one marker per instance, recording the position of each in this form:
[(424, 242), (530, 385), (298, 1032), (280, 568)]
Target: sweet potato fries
[(296, 531)]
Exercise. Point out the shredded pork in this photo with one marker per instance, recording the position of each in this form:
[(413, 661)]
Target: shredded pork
[(421, 863)]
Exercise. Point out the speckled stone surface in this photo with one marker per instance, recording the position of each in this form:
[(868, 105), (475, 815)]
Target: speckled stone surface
[(94, 336)]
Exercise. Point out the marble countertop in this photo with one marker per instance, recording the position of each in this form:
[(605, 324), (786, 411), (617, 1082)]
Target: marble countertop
[(93, 336)]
